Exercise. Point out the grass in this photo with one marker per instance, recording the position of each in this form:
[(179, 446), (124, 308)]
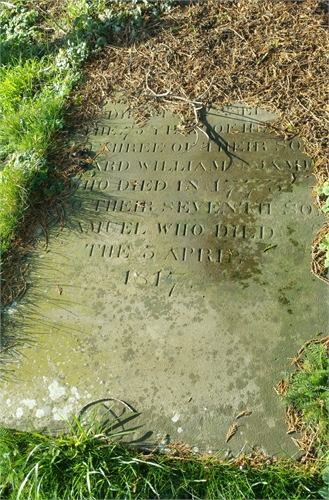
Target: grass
[(32, 101), (43, 48), (16, 181), (306, 394), (35, 81), (87, 462), (32, 98), (33, 89)]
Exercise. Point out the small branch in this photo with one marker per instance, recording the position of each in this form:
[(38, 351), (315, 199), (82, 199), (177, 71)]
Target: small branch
[(309, 111), (207, 90), (154, 94), (196, 104), (231, 29), (205, 133)]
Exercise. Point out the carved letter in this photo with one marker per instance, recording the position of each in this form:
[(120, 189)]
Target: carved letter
[(92, 246), (280, 145), (160, 185), (164, 228), (96, 227), (295, 145), (158, 148), (221, 230), (265, 208), (184, 207), (172, 254), (306, 209), (124, 251), (123, 185), (185, 251), (197, 230)]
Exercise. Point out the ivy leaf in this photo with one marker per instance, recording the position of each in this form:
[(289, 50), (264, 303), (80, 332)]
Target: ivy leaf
[(324, 493)]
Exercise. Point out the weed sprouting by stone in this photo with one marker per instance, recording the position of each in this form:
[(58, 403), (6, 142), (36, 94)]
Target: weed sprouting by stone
[(308, 395)]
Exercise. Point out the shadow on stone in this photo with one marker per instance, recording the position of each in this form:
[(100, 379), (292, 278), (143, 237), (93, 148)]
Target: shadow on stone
[(113, 418)]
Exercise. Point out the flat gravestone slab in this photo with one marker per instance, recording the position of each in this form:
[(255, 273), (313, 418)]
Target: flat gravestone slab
[(180, 284)]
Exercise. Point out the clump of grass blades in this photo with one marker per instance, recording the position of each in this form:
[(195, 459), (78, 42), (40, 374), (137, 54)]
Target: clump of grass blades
[(32, 98), (307, 394), (31, 102), (86, 462), (16, 181)]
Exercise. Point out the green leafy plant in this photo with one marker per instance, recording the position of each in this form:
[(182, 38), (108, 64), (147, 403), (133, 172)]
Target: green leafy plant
[(36, 78), (32, 104), (324, 190), (324, 491), (324, 245), (308, 392), (55, 188), (19, 36)]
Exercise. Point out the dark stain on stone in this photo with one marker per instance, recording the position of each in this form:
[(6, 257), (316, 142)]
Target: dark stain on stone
[(294, 242)]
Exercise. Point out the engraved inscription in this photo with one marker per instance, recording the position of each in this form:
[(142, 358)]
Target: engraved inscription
[(160, 200), (196, 254), (122, 147), (189, 207), (216, 165), (103, 250), (160, 278), (109, 226)]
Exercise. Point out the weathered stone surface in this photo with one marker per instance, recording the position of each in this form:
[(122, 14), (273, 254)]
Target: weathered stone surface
[(179, 284)]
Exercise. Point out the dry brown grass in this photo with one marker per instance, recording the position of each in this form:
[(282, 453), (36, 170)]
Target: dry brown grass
[(271, 53)]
